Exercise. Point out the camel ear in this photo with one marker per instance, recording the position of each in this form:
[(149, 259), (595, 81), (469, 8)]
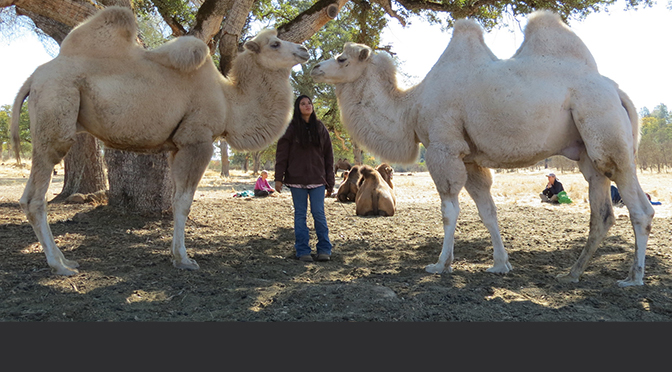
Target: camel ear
[(252, 45), (364, 54)]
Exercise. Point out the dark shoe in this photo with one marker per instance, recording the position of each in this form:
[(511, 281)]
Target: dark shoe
[(306, 258), (323, 257)]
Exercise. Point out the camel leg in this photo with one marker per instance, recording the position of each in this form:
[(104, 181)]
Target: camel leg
[(641, 216), (187, 166), (33, 203), (601, 216), (479, 181), (53, 135), (449, 175)]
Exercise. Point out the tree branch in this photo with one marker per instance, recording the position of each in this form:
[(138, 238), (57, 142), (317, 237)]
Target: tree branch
[(209, 18), (164, 10), (68, 12), (310, 21)]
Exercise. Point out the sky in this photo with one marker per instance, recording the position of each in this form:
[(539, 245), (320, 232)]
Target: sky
[(630, 47)]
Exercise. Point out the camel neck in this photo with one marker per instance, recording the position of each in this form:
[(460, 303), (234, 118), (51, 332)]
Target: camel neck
[(376, 118)]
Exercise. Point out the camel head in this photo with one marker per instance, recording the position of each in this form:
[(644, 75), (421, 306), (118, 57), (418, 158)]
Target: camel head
[(275, 54), (345, 67)]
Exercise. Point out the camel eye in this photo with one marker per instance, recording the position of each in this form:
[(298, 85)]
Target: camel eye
[(341, 59), (275, 45)]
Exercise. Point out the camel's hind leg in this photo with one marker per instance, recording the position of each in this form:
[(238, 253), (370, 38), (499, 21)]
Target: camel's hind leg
[(187, 166), (601, 216), (608, 136), (449, 175), (641, 217), (51, 141), (479, 181)]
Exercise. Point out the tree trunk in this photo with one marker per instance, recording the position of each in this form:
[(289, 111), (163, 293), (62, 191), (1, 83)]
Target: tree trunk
[(358, 154), (224, 147), (230, 33), (245, 159), (256, 162), (84, 168), (68, 12), (139, 183)]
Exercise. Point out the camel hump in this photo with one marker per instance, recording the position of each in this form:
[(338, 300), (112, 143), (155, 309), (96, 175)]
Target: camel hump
[(110, 32), (467, 43), (185, 53), (367, 172), (467, 26), (548, 36)]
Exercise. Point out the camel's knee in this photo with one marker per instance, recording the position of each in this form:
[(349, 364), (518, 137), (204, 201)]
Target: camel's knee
[(602, 219), (642, 220), (446, 168)]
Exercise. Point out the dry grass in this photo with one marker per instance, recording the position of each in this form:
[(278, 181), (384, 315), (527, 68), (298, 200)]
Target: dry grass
[(516, 187)]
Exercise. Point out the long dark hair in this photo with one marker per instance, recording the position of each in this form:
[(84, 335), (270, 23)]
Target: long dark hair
[(307, 133)]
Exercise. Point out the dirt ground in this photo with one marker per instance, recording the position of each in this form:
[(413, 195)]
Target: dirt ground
[(245, 249)]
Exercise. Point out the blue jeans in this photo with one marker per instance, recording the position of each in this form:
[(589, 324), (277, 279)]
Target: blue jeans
[(300, 198)]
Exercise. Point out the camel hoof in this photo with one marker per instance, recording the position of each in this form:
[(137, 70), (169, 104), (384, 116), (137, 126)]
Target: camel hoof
[(189, 264), (65, 271), (566, 278), (70, 263), (629, 283), (500, 269), (438, 268)]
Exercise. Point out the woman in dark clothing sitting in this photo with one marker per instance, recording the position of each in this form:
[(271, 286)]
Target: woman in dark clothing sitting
[(553, 188)]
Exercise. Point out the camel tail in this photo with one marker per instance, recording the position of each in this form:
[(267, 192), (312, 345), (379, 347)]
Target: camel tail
[(16, 116), (632, 115)]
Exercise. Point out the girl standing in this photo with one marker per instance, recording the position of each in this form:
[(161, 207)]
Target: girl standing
[(304, 163)]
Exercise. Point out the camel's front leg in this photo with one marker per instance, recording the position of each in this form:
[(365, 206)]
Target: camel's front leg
[(187, 166), (450, 210), (479, 181), (449, 175)]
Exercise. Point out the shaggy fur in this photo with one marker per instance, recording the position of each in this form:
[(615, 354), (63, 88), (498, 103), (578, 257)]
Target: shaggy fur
[(171, 98), (348, 189), (374, 197), (474, 111)]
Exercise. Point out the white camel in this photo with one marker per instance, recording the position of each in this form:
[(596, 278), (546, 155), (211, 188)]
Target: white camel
[(169, 99), (474, 111)]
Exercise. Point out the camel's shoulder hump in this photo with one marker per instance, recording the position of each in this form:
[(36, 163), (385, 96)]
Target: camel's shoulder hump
[(547, 35)]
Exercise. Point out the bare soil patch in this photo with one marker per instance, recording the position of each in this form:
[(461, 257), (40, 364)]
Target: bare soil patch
[(248, 273)]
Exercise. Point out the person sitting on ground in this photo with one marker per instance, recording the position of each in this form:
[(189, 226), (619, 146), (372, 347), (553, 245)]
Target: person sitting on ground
[(553, 188), (616, 197), (262, 187)]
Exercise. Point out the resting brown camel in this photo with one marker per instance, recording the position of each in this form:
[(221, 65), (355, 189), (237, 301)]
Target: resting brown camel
[(374, 197), (386, 171), (474, 111), (342, 164), (348, 189), (172, 98)]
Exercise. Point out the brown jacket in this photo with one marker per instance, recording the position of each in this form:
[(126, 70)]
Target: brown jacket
[(311, 165)]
